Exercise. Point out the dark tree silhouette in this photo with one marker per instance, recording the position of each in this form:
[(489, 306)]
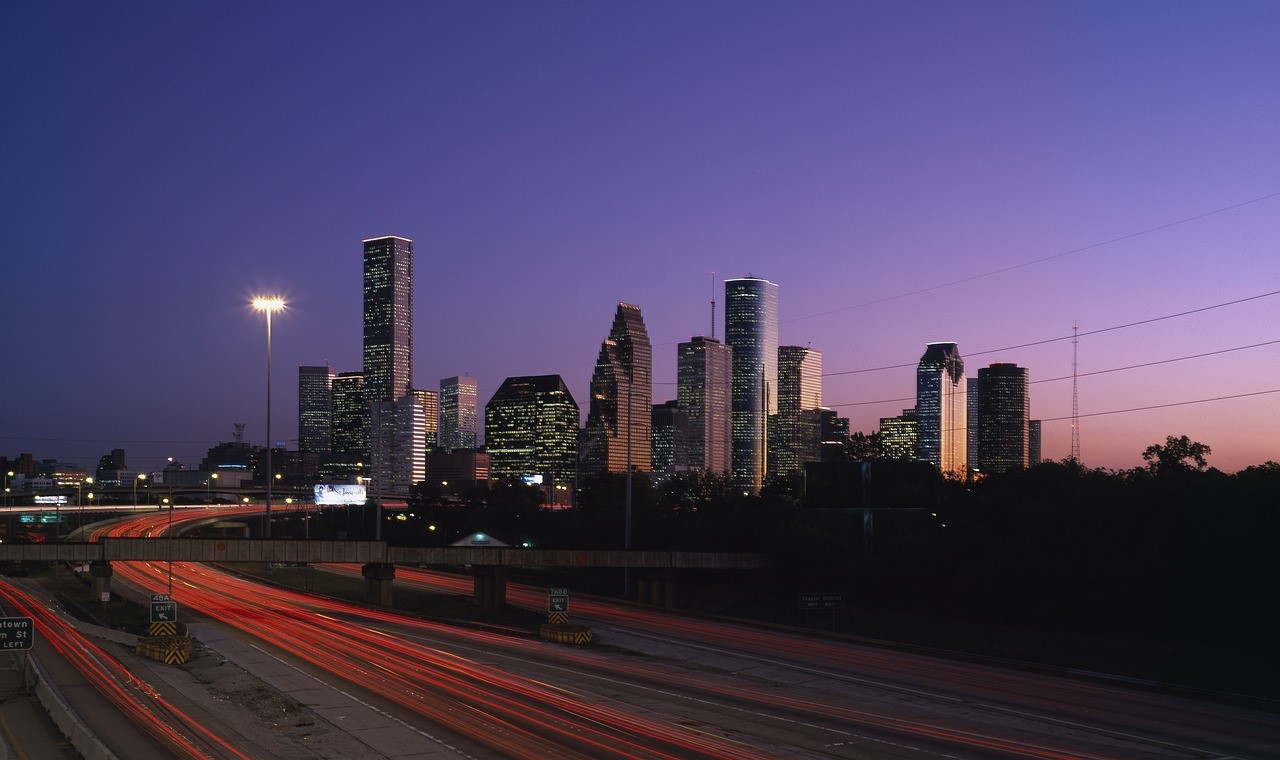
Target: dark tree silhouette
[(1173, 456)]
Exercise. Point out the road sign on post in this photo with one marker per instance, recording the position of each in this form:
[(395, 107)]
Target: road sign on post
[(831, 600), (16, 633), (164, 612), (558, 605)]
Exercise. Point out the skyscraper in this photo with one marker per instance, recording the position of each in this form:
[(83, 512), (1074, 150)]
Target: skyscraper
[(795, 437), (1033, 443), (430, 401), (458, 409), (899, 435), (350, 419), (941, 409), (388, 318), (670, 438), (388, 357), (531, 428), (315, 409), (751, 330), (1005, 411), (619, 419), (704, 392), (973, 408)]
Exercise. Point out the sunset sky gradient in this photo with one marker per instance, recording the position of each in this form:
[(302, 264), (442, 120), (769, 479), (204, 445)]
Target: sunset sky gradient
[(981, 172)]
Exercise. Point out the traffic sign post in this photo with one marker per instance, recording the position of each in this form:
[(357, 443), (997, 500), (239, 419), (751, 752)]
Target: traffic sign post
[(164, 612), (164, 615), (558, 605), (17, 633)]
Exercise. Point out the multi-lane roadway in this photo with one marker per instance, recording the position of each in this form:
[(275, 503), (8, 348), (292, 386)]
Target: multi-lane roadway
[(667, 685)]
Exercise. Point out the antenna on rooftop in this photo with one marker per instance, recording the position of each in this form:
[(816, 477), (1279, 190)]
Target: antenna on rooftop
[(713, 304)]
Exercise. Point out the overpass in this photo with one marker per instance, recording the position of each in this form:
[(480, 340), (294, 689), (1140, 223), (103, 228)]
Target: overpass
[(488, 564)]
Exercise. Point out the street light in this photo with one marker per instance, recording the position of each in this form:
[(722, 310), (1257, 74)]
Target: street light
[(268, 306), (80, 498), (208, 490), (140, 476), (7, 477)]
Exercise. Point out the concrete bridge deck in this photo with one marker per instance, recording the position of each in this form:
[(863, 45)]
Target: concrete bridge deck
[(364, 552)]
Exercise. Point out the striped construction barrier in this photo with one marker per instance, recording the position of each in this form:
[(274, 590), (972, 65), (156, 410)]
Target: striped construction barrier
[(171, 650), (565, 633), (164, 629)]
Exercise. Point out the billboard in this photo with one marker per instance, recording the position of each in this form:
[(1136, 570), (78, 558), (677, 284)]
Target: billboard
[(337, 494)]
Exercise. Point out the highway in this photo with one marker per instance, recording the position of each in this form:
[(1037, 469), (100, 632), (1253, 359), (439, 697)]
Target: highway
[(696, 688), (510, 715), (156, 728), (899, 687)]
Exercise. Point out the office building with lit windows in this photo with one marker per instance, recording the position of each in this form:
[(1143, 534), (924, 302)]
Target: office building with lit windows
[(531, 428), (1004, 414), (795, 436), (1033, 443), (618, 430), (898, 435), (315, 409), (430, 401), (388, 318), (704, 392), (350, 418), (670, 438), (751, 330), (388, 362), (942, 409), (459, 406)]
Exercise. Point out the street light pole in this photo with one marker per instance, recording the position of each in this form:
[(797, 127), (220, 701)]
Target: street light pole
[(268, 306)]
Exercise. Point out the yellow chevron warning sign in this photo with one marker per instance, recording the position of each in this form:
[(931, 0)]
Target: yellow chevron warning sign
[(171, 650), (565, 634), (557, 618), (164, 629)]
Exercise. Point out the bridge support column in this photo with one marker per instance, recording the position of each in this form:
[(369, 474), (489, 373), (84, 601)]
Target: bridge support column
[(658, 588), (668, 582), (101, 573), (378, 579), (489, 586)]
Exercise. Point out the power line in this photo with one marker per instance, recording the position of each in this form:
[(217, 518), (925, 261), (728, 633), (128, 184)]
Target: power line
[(1060, 338), (1088, 374), (1165, 406), (1155, 363), (1040, 260)]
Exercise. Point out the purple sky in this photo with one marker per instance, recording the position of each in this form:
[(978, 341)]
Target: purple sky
[(164, 161)]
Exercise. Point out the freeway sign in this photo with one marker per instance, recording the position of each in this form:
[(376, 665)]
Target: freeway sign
[(161, 598), (16, 633), (164, 612), (832, 600), (557, 599)]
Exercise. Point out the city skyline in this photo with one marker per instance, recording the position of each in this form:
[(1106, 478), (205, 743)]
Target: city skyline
[(906, 174)]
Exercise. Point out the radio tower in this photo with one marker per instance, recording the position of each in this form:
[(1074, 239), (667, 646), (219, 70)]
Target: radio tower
[(1075, 393)]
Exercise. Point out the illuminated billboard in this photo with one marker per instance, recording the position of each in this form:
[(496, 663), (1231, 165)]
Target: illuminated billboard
[(338, 494)]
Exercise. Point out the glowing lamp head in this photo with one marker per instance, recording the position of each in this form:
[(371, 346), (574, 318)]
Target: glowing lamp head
[(268, 303)]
